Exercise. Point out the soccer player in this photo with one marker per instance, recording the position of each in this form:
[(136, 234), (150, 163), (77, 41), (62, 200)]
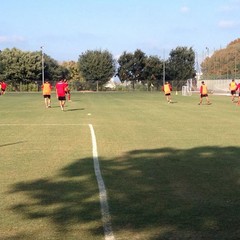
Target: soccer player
[(67, 90), (232, 88), (60, 93), (3, 87), (203, 93), (238, 88), (167, 88), (46, 88)]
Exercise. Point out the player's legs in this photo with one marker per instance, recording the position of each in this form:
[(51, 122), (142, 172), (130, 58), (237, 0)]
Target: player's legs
[(233, 93), (208, 102), (49, 102)]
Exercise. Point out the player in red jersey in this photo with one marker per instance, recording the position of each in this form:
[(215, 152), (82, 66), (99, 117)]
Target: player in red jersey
[(60, 93), (238, 88), (67, 90), (3, 87)]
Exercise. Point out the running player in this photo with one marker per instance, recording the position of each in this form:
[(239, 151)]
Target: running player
[(60, 93), (238, 88), (203, 93), (67, 90), (167, 88), (232, 88), (46, 88), (3, 87)]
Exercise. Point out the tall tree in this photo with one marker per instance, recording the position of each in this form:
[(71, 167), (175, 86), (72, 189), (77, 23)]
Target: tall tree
[(131, 67), (53, 70), (26, 67), (181, 64), (153, 71), (223, 63), (97, 66)]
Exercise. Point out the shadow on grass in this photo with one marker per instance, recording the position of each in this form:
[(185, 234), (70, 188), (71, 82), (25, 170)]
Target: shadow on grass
[(75, 109), (9, 144), (160, 193)]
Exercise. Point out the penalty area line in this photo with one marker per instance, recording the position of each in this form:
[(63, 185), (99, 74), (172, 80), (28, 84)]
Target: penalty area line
[(106, 218)]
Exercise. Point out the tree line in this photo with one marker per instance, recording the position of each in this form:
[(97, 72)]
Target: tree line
[(96, 67), (223, 63)]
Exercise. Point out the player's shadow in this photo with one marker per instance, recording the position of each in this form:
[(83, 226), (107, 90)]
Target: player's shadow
[(74, 109), (173, 193), (9, 144)]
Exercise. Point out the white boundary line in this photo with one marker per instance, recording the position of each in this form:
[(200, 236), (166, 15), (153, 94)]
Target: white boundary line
[(106, 218), (42, 124)]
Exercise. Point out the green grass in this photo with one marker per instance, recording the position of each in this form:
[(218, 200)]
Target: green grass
[(172, 171)]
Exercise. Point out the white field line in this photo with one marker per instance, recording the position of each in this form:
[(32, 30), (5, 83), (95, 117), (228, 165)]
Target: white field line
[(42, 124), (106, 218)]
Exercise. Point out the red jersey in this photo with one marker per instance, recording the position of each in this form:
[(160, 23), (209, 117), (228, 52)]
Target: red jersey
[(66, 86), (3, 85), (238, 87), (60, 89)]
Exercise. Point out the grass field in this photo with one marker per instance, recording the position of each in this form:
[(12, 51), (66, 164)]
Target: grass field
[(172, 171)]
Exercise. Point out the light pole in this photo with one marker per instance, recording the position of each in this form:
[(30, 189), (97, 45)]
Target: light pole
[(42, 65)]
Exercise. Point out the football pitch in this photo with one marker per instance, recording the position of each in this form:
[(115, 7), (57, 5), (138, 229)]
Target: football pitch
[(170, 171)]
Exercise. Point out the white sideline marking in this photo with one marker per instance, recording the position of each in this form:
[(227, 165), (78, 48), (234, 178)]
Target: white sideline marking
[(106, 218), (42, 124)]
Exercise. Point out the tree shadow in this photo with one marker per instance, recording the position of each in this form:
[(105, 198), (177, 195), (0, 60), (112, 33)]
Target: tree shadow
[(173, 193), (185, 194)]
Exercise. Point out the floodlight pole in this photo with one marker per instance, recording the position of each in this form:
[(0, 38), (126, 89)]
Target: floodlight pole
[(42, 64)]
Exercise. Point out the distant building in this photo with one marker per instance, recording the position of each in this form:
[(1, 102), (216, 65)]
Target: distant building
[(110, 84)]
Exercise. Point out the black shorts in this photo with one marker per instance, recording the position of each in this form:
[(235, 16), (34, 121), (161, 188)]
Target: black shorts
[(167, 94), (233, 92), (3, 90), (63, 98), (47, 96), (204, 95)]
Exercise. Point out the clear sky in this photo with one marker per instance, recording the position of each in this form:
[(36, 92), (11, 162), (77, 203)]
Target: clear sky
[(67, 28)]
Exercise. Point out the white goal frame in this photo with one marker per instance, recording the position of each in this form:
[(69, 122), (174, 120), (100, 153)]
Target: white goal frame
[(187, 89)]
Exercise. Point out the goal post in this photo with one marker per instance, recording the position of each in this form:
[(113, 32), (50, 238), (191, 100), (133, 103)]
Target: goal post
[(187, 89)]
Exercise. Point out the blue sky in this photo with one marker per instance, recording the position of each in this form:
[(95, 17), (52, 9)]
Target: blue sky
[(67, 28)]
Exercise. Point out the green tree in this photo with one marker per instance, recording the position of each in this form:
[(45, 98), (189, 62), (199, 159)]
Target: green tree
[(223, 63), (181, 64), (131, 67), (153, 71), (97, 66), (76, 80), (19, 67), (53, 70)]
